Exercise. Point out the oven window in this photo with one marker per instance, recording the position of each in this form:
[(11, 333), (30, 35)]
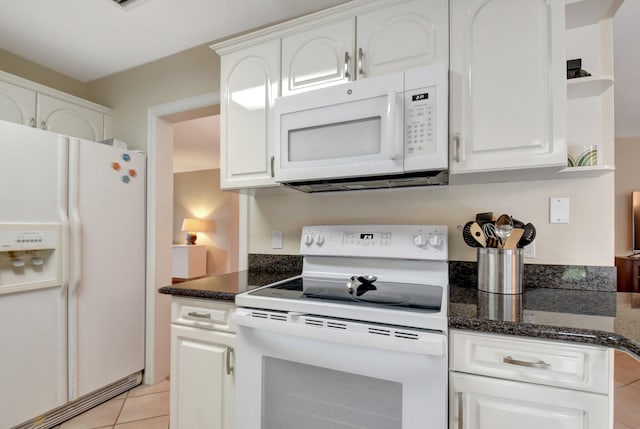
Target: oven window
[(336, 140), (298, 396)]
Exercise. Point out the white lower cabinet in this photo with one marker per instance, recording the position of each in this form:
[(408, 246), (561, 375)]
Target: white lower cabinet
[(499, 382), (202, 365), (478, 402)]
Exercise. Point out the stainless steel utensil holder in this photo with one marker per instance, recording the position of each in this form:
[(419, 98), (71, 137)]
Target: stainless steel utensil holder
[(500, 270)]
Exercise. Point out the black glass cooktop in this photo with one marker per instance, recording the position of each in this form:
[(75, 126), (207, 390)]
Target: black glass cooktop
[(367, 293)]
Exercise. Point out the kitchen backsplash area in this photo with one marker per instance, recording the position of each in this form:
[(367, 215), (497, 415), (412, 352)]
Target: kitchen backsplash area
[(464, 274)]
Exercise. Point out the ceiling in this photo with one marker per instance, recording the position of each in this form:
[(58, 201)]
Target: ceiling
[(90, 39)]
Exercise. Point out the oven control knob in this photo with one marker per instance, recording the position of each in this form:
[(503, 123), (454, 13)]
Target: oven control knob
[(308, 239), (319, 239), (436, 240), (419, 240)]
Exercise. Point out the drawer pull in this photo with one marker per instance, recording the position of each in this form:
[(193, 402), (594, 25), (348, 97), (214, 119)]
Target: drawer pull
[(540, 364), (199, 315)]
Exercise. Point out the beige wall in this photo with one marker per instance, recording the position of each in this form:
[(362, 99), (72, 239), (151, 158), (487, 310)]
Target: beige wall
[(587, 239), (627, 180), (29, 70), (131, 93), (197, 195)]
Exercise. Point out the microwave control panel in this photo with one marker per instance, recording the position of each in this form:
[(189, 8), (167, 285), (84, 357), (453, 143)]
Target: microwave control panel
[(420, 121)]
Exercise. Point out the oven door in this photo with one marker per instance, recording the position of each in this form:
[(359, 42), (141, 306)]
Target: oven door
[(351, 130), (300, 371)]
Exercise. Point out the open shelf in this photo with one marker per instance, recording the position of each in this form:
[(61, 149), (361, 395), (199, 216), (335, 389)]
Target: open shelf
[(580, 172), (586, 12), (588, 86)]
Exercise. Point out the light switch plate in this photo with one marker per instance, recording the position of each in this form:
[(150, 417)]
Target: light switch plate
[(276, 239), (559, 210)]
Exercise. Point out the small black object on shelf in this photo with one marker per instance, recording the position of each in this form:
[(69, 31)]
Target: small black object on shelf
[(574, 69)]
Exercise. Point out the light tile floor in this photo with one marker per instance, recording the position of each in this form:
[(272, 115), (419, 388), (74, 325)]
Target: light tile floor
[(143, 407), (147, 407), (627, 392)]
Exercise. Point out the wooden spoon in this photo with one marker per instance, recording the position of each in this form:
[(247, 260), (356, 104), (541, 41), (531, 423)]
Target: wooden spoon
[(512, 240)]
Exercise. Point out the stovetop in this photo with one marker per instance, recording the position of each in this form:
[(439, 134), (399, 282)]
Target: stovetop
[(389, 274), (400, 296)]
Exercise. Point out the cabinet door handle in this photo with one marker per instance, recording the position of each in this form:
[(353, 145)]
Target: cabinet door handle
[(43, 125), (199, 315), (230, 353), (273, 161), (460, 411), (456, 141), (540, 364), (360, 61), (347, 75), (32, 123)]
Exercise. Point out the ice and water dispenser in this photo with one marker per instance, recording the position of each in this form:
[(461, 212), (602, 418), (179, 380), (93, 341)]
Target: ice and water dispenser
[(30, 256)]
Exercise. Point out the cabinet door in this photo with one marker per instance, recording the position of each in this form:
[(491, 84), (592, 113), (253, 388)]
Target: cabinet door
[(249, 83), (319, 57), (401, 37), (69, 119), (477, 402), (17, 104), (202, 380), (508, 89)]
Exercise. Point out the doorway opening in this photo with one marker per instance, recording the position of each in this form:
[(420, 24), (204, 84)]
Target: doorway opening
[(160, 223)]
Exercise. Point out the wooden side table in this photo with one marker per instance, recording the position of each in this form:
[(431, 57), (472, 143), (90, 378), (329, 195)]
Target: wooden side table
[(628, 273), (189, 261)]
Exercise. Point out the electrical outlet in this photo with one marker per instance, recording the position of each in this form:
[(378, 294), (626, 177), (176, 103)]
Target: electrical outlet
[(276, 239), (529, 252)]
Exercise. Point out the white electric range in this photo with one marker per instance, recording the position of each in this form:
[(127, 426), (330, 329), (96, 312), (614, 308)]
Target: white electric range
[(358, 340)]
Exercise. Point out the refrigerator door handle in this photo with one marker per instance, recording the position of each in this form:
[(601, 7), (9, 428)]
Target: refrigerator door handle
[(63, 156), (74, 214)]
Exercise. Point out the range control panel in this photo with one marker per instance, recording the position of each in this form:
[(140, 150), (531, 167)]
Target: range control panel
[(427, 242)]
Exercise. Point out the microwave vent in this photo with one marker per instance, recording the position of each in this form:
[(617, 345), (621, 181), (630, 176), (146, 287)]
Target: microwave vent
[(422, 178)]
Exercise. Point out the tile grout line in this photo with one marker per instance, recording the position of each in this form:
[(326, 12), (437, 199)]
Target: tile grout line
[(121, 408)]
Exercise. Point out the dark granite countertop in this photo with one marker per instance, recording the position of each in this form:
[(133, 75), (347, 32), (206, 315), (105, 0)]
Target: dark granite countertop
[(610, 319), (599, 317), (225, 287)]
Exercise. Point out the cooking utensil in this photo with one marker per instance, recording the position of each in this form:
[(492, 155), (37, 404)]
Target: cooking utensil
[(528, 236), (489, 230), (483, 218), (504, 226), (469, 237), (478, 234), (513, 239)]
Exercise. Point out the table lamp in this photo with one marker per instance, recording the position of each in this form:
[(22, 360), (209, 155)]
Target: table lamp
[(193, 226)]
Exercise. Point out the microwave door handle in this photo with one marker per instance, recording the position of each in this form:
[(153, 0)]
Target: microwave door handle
[(396, 147)]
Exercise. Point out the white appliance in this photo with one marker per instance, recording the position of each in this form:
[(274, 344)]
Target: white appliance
[(358, 340), (72, 262), (385, 131)]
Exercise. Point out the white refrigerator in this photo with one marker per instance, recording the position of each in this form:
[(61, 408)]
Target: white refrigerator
[(72, 274)]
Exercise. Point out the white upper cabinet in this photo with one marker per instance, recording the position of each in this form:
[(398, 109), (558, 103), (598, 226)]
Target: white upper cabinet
[(70, 119), (385, 38), (507, 89), (318, 57), (28, 103), (17, 104), (407, 35), (249, 84)]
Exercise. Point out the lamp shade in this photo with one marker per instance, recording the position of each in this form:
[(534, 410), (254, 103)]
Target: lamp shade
[(191, 226)]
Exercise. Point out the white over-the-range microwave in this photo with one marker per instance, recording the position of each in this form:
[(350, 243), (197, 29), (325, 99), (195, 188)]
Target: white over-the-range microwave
[(381, 132)]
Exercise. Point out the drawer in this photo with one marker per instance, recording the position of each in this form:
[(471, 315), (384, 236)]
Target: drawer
[(202, 313), (579, 367)]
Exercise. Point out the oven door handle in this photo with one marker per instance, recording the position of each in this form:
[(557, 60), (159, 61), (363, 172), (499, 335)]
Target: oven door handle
[(432, 345)]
